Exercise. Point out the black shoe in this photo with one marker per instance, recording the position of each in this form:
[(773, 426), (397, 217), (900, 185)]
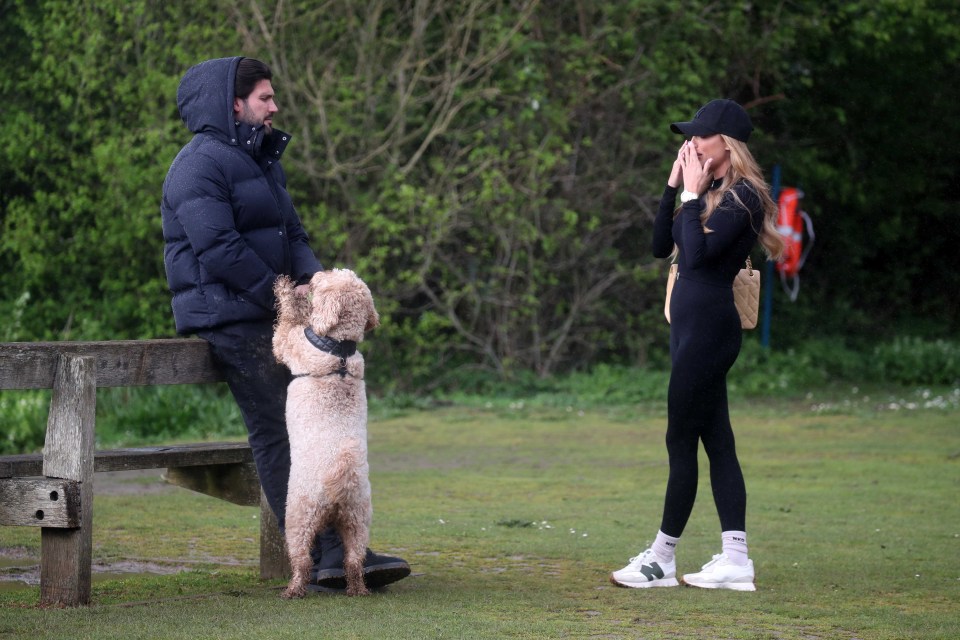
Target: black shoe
[(378, 570)]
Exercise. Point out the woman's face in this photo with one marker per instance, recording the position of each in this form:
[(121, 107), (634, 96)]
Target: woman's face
[(713, 147)]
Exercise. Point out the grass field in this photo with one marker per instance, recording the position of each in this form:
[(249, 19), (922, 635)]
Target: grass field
[(513, 514)]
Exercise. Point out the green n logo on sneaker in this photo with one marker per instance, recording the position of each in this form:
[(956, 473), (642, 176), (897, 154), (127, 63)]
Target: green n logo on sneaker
[(652, 571)]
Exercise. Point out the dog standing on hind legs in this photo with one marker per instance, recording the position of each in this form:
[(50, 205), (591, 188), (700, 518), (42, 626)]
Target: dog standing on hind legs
[(316, 337)]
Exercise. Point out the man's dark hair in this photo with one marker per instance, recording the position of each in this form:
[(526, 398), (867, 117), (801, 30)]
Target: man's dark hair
[(249, 73)]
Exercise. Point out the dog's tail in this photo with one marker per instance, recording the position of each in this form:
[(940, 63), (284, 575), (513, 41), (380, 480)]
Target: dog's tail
[(348, 478)]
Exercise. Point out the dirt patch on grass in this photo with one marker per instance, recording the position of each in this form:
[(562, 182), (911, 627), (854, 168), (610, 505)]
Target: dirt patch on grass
[(20, 565), (23, 568)]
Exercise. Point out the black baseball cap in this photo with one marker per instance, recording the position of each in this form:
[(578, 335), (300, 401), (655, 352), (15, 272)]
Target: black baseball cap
[(717, 116)]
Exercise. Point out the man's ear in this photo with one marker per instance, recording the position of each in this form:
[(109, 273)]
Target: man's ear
[(237, 105)]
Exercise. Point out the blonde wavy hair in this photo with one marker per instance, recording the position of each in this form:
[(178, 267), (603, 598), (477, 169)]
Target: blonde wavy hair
[(744, 167)]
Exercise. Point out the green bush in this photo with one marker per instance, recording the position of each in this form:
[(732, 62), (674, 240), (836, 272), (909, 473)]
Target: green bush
[(814, 363), (758, 371), (912, 360), (146, 415), (607, 385), (128, 416), (903, 361), (23, 415)]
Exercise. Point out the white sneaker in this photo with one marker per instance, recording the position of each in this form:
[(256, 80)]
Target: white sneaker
[(722, 573), (646, 570)]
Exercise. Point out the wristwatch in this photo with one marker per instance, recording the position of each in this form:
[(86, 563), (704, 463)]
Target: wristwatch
[(687, 196)]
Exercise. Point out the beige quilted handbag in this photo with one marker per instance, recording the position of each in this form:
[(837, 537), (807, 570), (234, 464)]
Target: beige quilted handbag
[(746, 294)]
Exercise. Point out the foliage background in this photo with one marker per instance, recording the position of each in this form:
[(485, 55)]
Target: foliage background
[(490, 167)]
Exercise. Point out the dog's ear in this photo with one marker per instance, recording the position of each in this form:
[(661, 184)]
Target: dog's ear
[(325, 310)]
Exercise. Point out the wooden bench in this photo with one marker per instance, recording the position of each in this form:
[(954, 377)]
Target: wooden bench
[(54, 491)]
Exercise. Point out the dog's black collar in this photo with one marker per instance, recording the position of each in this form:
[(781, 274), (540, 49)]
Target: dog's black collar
[(342, 349), (339, 348)]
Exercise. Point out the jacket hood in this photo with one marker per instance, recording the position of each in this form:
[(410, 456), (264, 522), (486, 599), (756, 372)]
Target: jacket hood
[(205, 98)]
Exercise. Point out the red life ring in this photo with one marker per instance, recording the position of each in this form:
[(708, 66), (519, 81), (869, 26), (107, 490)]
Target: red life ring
[(791, 224)]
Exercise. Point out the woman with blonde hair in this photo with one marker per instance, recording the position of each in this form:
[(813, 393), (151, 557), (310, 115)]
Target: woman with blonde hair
[(725, 210)]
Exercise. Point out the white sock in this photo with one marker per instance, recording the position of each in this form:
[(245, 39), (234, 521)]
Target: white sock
[(735, 546), (665, 546)]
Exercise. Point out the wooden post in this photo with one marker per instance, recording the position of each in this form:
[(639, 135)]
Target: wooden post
[(274, 563), (65, 554)]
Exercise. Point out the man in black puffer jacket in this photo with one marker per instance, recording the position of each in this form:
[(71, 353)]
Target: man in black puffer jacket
[(230, 229)]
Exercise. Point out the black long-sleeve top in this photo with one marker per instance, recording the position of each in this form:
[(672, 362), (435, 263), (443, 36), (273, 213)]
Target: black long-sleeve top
[(716, 256)]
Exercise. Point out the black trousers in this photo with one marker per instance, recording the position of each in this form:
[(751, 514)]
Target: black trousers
[(258, 382), (705, 340)]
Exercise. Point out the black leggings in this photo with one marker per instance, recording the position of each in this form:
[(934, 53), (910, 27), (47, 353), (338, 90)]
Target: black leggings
[(705, 339)]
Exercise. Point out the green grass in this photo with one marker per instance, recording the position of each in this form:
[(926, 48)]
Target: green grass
[(513, 513)]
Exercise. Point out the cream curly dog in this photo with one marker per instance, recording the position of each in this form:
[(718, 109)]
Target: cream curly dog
[(316, 337)]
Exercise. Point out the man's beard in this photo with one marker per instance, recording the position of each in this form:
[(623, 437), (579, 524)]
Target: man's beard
[(246, 117)]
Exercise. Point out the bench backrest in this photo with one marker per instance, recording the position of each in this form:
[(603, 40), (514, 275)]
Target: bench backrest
[(119, 363)]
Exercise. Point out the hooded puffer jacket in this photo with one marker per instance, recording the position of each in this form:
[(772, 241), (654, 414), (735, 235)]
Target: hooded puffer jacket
[(229, 224)]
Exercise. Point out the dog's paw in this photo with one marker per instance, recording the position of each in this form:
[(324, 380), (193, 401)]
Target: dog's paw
[(291, 593), (283, 284)]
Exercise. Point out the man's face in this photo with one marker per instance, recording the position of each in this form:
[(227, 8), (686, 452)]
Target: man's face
[(258, 108)]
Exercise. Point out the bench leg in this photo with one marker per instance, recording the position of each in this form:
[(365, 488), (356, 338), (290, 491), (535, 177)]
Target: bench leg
[(65, 554), (274, 563)]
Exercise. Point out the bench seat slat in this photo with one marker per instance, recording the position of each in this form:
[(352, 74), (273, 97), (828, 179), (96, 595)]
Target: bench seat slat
[(158, 457)]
